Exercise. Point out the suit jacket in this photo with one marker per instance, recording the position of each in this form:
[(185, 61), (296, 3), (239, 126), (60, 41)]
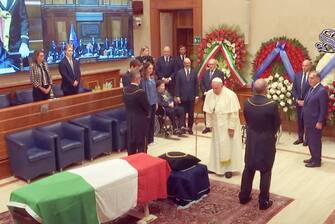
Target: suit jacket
[(206, 82), (137, 108), (263, 122), (299, 92), (126, 79), (186, 87), (18, 31), (69, 75), (165, 69), (178, 63), (315, 106)]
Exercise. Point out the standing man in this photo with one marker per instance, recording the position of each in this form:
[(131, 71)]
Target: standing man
[(262, 121), (137, 108), (206, 81), (187, 91), (133, 65), (179, 59), (165, 69), (222, 108), (70, 71), (314, 114), (299, 91)]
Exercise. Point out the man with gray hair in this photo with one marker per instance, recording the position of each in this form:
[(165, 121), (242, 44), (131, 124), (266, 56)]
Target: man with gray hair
[(262, 121), (222, 108), (165, 69)]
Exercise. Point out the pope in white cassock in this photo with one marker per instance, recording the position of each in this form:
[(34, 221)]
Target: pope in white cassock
[(222, 108)]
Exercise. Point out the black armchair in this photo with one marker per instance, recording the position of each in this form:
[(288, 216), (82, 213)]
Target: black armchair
[(118, 117), (98, 135), (69, 140), (24, 96), (31, 153), (4, 100)]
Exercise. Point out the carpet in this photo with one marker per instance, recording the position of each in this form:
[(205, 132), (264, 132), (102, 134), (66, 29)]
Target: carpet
[(221, 206)]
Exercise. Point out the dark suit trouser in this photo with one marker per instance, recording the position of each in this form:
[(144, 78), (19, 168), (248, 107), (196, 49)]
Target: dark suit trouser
[(300, 122), (189, 109), (314, 143), (137, 147), (151, 126), (172, 113), (246, 184), (72, 91), (39, 95)]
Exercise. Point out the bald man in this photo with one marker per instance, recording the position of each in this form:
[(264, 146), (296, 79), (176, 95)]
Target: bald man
[(299, 91), (187, 91), (206, 80), (165, 69), (263, 122), (222, 108)]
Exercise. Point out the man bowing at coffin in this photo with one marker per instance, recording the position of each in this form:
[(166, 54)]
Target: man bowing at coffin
[(222, 108)]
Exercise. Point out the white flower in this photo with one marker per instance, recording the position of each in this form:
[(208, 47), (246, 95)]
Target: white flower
[(278, 92), (268, 96), (286, 82), (274, 97), (209, 45), (274, 85), (282, 103), (281, 96), (288, 94), (267, 80), (289, 88), (281, 79), (285, 109), (280, 85), (283, 90), (289, 101), (270, 77), (272, 91), (332, 96), (276, 75)]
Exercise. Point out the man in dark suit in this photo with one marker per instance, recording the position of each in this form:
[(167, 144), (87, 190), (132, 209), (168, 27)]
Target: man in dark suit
[(179, 59), (206, 82), (314, 114), (14, 45), (299, 91), (165, 69), (187, 91), (134, 64), (70, 71), (262, 121), (137, 108)]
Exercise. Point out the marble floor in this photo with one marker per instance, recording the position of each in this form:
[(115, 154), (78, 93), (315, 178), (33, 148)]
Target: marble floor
[(313, 189)]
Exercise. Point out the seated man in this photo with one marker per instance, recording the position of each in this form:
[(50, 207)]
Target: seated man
[(165, 100)]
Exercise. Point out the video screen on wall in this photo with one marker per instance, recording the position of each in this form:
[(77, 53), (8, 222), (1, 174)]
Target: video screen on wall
[(98, 30)]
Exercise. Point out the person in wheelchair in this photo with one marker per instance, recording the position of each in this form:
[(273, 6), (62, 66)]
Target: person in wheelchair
[(173, 111)]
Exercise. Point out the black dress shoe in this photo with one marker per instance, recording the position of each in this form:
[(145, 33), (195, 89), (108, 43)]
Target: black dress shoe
[(307, 160), (265, 205), (245, 201), (190, 131), (298, 141), (206, 130), (312, 164), (228, 174), (305, 143)]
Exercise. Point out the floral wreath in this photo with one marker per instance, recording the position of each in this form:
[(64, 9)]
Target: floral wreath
[(226, 45), (288, 60)]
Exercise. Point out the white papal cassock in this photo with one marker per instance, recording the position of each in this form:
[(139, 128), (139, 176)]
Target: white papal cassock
[(222, 113)]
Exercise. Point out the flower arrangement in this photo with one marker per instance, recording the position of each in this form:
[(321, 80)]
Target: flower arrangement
[(105, 86), (295, 51), (279, 90), (226, 45)]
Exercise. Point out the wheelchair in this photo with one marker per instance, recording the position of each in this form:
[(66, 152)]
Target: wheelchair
[(163, 124)]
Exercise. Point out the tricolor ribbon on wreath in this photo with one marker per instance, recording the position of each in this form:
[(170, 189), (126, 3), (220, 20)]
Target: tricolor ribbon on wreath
[(228, 58), (330, 65), (279, 49)]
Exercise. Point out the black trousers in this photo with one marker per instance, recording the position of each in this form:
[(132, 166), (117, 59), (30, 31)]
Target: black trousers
[(300, 122), (176, 112), (137, 147), (246, 184), (39, 95), (151, 126), (72, 91), (314, 143), (189, 110)]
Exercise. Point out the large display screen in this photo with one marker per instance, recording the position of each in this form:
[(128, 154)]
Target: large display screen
[(98, 30)]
